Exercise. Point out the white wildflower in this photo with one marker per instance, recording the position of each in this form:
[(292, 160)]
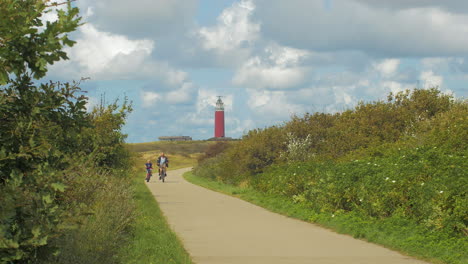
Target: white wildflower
[(393, 181), (387, 179), (441, 192)]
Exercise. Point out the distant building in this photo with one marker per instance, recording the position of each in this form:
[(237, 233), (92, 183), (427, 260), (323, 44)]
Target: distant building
[(176, 138)]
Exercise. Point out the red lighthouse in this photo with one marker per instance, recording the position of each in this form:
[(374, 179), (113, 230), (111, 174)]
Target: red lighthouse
[(219, 119)]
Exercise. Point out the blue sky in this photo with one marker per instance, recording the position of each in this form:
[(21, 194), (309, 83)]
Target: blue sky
[(270, 58)]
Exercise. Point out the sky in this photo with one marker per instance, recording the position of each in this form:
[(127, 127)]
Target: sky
[(269, 59)]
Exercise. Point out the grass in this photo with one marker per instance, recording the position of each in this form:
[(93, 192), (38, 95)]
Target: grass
[(171, 147), (182, 154), (176, 161), (395, 233), (154, 241)]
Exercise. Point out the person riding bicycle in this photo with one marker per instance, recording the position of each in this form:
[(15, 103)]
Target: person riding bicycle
[(163, 162), (149, 168)]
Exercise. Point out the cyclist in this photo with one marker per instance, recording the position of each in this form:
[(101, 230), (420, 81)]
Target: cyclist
[(149, 168), (163, 162)]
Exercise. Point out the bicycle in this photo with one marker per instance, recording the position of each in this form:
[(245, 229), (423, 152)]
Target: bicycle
[(162, 172), (148, 174)]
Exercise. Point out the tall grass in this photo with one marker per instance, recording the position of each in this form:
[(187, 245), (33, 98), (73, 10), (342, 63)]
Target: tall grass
[(104, 228)]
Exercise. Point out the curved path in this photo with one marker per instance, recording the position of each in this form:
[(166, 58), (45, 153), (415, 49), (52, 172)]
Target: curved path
[(220, 229)]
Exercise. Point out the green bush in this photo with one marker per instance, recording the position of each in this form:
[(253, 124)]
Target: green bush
[(214, 150), (405, 157), (425, 184)]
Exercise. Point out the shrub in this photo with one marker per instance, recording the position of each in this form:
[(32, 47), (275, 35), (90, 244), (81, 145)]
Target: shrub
[(214, 150), (405, 157)]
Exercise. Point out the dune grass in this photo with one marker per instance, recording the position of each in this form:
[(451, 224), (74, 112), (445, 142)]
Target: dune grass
[(171, 147)]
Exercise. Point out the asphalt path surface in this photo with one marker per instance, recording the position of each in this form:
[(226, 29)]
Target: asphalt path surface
[(220, 229)]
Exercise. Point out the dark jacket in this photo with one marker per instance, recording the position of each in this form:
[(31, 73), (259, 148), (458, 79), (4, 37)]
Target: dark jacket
[(167, 161)]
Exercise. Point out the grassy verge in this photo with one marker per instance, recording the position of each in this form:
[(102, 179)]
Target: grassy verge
[(154, 242), (394, 233)]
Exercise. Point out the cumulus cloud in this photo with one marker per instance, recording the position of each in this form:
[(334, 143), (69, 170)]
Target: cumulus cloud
[(452, 6), (106, 56), (430, 79), (140, 18), (278, 68), (182, 95), (232, 39), (101, 54), (272, 106), (388, 67), (352, 25), (234, 28), (149, 98)]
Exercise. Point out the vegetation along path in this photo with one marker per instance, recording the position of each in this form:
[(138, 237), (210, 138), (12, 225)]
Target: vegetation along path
[(216, 228)]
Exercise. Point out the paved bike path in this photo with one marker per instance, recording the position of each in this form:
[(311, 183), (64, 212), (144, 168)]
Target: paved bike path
[(220, 229)]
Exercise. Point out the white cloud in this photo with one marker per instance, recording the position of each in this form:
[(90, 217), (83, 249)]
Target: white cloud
[(272, 106), (95, 50), (279, 69), (149, 98), (430, 79), (453, 6), (234, 28), (388, 67), (351, 25), (182, 95), (104, 55), (140, 18)]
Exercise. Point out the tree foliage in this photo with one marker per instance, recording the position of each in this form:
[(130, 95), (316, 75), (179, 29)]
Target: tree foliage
[(27, 43), (45, 131)]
